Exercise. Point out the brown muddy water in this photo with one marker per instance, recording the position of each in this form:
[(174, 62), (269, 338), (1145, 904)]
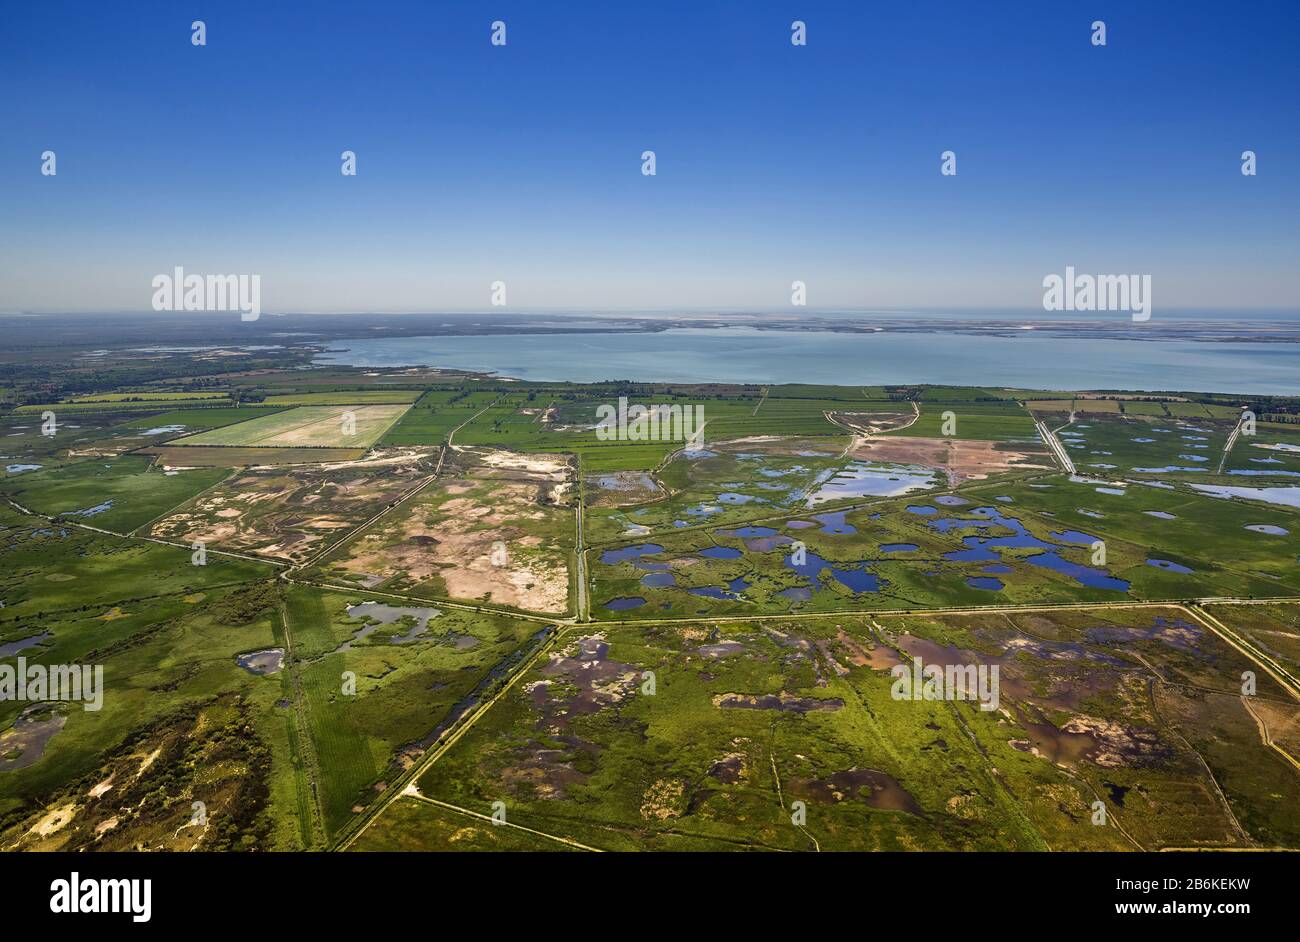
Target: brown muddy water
[(878, 789)]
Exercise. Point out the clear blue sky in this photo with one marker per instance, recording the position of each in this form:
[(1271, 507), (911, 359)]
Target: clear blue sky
[(775, 163)]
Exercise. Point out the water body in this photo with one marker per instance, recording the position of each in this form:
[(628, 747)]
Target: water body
[(265, 662), (720, 552), (867, 479), (619, 605), (10, 648), (1085, 575), (89, 511), (1169, 566), (1030, 358), (1285, 496), (378, 613)]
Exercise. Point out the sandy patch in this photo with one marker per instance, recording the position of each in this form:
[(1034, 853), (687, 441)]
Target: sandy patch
[(960, 459)]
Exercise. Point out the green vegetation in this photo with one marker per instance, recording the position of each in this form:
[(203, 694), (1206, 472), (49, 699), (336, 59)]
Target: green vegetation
[(119, 494), (362, 397), (405, 585), (980, 421), (744, 719), (207, 417)]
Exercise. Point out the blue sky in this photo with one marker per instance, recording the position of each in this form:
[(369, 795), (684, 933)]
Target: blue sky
[(522, 164)]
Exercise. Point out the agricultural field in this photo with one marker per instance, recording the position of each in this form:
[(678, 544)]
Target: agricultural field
[(119, 407), (181, 421), (304, 427), (1004, 421), (119, 494), (794, 736), (436, 414), (495, 528), (293, 513), (344, 398), (149, 396), (531, 422)]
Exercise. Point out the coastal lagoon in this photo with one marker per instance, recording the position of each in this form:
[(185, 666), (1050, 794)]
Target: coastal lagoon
[(1005, 357)]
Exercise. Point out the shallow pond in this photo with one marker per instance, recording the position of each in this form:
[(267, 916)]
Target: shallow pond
[(262, 663)]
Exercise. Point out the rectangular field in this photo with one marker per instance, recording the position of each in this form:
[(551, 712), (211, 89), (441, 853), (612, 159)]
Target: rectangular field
[(346, 398), (1129, 708), (306, 427)]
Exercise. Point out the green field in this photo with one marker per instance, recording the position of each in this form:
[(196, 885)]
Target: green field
[(743, 720), (1145, 445), (435, 415), (150, 396), (207, 417), (119, 494), (344, 398), (980, 421), (703, 680)]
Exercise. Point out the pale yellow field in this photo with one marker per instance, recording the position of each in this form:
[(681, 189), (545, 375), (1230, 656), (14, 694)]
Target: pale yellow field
[(305, 427)]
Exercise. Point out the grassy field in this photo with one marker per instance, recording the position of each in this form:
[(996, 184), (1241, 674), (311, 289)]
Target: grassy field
[(166, 660), (207, 417), (1274, 627), (980, 421), (119, 494), (678, 718), (1145, 445), (434, 416), (1206, 534), (408, 680), (113, 406), (284, 756), (744, 720), (410, 824), (345, 398), (305, 427), (148, 396), (63, 568), (1273, 452)]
